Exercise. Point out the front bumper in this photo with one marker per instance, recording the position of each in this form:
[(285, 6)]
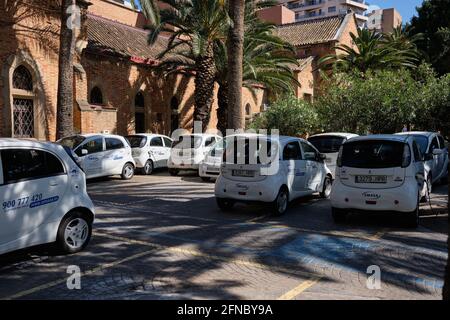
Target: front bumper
[(259, 191), (208, 170)]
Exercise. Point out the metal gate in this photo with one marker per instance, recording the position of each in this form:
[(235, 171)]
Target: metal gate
[(23, 118)]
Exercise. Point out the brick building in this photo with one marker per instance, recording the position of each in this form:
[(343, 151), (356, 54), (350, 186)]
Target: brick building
[(115, 89)]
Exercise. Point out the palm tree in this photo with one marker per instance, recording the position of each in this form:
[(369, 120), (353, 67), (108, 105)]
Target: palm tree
[(64, 105), (371, 51), (193, 25)]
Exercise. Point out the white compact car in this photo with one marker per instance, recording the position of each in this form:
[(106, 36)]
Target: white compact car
[(269, 169), (102, 155), (189, 151), (329, 144), (43, 197), (435, 153), (210, 167), (379, 173), (150, 151)]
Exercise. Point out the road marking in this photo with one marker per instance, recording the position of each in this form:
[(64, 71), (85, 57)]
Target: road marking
[(299, 289), (91, 271)]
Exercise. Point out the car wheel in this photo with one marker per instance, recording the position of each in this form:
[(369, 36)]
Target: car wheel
[(173, 172), (127, 171), (412, 218), (326, 191), (280, 205), (339, 215), (206, 179), (225, 204), (148, 167), (428, 189), (74, 233)]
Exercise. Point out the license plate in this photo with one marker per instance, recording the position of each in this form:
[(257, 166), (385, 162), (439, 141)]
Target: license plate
[(243, 173), (371, 179)]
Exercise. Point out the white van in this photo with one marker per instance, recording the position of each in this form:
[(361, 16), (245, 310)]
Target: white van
[(150, 151), (329, 144), (102, 155), (380, 173), (210, 167), (189, 151), (270, 169), (43, 197)]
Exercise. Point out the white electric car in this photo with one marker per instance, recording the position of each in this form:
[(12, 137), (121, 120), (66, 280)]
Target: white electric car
[(189, 151), (209, 168), (329, 144), (43, 197), (269, 169), (102, 155), (150, 151), (378, 173), (435, 153)]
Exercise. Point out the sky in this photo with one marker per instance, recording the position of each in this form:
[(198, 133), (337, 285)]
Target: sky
[(407, 8)]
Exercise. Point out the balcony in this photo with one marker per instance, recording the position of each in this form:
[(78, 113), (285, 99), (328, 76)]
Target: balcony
[(361, 4), (307, 4)]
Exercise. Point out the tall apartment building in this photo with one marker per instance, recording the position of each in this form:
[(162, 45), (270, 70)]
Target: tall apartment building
[(384, 20), (311, 9)]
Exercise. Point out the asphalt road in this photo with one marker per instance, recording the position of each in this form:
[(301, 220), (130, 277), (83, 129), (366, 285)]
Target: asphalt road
[(163, 237)]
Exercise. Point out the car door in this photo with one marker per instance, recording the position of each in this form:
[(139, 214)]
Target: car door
[(313, 170), (158, 150), (91, 162), (167, 147), (114, 156), (32, 184), (435, 170), (296, 166), (442, 162)]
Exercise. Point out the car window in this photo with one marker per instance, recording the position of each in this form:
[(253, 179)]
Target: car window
[(27, 164), (72, 142), (209, 141), (327, 144), (188, 142), (167, 142), (422, 142), (434, 144), (309, 152), (441, 142), (156, 142), (92, 146), (292, 151), (417, 154), (136, 141), (113, 144)]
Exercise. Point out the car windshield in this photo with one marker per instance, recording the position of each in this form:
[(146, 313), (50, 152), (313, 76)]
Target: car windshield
[(217, 150), (422, 141), (372, 154), (327, 144), (136, 141), (188, 142), (242, 150), (71, 142)]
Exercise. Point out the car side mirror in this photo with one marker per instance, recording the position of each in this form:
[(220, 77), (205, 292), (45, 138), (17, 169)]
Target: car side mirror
[(84, 152), (438, 152), (428, 156)]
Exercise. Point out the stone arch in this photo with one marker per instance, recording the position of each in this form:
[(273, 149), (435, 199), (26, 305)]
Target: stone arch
[(22, 103)]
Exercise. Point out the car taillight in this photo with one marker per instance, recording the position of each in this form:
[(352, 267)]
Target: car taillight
[(406, 158), (339, 158)]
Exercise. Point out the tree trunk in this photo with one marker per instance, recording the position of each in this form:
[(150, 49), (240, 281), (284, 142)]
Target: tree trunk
[(64, 107), (446, 291), (204, 87), (222, 111), (235, 56)]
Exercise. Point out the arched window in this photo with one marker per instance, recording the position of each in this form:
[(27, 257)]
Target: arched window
[(96, 96), (174, 118), (248, 110), (22, 79), (139, 113), (139, 100)]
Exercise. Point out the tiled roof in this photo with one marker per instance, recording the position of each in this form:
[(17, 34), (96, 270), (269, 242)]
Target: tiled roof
[(110, 37), (311, 31)]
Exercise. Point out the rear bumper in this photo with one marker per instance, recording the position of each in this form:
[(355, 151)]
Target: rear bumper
[(259, 191), (379, 200)]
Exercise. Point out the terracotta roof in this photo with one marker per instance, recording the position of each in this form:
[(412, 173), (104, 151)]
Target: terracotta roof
[(311, 31), (111, 37)]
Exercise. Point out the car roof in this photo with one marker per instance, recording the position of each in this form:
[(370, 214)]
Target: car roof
[(335, 134), (106, 135), (32, 143), (281, 139), (388, 137), (419, 133), (148, 135)]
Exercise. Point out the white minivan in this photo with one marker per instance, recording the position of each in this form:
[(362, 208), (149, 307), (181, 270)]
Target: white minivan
[(329, 144), (378, 173), (43, 197), (270, 169), (102, 155), (189, 151), (150, 151)]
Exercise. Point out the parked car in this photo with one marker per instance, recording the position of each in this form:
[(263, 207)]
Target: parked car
[(435, 153), (150, 151), (102, 155), (294, 168), (189, 151), (378, 173), (43, 197), (329, 144), (209, 168)]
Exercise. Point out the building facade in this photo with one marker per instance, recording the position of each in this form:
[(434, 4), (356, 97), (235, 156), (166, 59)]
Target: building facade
[(314, 9), (384, 20)]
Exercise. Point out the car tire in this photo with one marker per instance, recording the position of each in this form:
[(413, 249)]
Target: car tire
[(148, 167), (225, 204), (281, 202), (206, 179), (428, 183), (74, 233), (326, 190), (127, 171), (173, 172), (412, 218), (339, 215)]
